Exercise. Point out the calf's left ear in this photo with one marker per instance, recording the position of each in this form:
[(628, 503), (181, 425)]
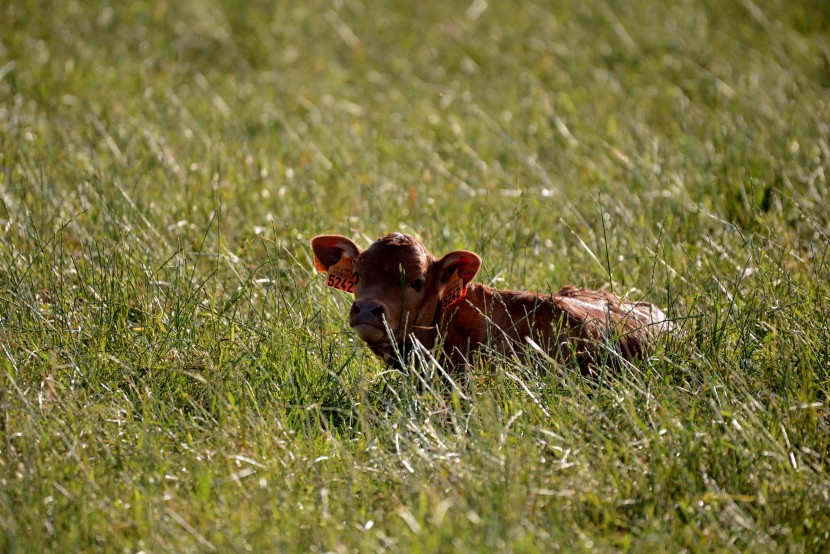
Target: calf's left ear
[(455, 271), (466, 263)]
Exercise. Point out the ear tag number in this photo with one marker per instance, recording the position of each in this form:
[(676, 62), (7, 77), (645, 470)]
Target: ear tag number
[(341, 275), (454, 291)]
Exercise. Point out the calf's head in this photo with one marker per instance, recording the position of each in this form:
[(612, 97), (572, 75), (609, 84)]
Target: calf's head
[(397, 285)]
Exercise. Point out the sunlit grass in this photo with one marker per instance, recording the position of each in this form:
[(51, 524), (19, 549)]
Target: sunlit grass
[(176, 377)]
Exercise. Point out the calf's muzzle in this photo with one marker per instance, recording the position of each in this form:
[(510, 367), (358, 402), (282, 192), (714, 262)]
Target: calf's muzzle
[(368, 313)]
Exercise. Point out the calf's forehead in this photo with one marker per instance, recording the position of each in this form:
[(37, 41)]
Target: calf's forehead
[(387, 258)]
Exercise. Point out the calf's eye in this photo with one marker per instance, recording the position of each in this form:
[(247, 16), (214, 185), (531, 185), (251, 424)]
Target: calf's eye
[(418, 284)]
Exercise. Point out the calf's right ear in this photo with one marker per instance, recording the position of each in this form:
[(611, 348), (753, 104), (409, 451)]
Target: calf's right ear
[(334, 255), (328, 249)]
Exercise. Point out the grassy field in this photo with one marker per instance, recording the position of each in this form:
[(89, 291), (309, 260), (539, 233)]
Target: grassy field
[(176, 378)]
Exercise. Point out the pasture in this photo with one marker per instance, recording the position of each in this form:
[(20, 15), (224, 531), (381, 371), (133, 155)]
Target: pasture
[(174, 376)]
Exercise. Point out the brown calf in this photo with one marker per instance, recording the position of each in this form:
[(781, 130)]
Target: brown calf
[(404, 292)]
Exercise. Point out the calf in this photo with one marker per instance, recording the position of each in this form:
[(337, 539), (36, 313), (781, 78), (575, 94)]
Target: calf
[(403, 292)]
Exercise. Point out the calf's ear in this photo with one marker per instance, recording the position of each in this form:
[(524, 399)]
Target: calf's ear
[(455, 271), (466, 263), (334, 255), (328, 249)]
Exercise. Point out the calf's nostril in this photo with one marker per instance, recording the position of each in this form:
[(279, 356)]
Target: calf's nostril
[(377, 312)]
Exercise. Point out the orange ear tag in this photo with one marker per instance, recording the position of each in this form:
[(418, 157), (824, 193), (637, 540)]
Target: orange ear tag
[(454, 291), (341, 275)]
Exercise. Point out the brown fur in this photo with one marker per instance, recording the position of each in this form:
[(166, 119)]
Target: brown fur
[(399, 289)]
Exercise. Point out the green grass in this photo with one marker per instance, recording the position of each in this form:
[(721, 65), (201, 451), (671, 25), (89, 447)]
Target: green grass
[(176, 377)]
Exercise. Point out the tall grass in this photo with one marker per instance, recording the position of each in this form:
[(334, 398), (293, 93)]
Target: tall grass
[(175, 377)]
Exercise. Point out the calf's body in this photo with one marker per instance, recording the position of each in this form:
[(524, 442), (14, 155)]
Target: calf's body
[(573, 325), (403, 292)]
